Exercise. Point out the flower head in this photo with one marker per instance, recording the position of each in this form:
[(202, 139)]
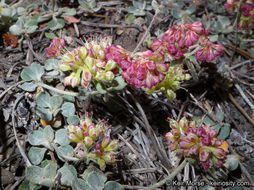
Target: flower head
[(208, 51), (95, 147), (199, 143), (90, 62), (246, 12), (145, 73), (55, 47), (181, 38), (172, 82)]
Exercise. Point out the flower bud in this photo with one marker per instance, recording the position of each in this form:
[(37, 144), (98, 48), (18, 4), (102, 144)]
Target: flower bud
[(109, 157), (111, 64), (75, 133), (113, 145), (102, 164), (109, 76), (88, 141), (105, 142)]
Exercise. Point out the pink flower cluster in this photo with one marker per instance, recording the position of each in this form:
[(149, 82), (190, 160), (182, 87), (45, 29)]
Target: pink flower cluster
[(55, 47), (87, 134), (199, 143), (144, 69), (182, 37), (246, 9), (208, 50)]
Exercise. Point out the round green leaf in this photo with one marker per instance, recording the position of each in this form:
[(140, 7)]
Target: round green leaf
[(62, 137), (69, 175), (80, 184), (95, 180), (112, 185), (44, 113), (26, 185), (93, 169), (121, 83), (220, 115), (33, 72), (28, 86), (65, 151), (21, 10), (176, 13), (31, 29), (16, 30), (68, 109), (231, 162), (56, 24), (44, 175), (48, 133), (43, 100), (55, 102), (224, 132), (100, 88), (73, 119), (51, 64), (50, 35), (36, 138), (67, 11), (36, 155), (130, 18)]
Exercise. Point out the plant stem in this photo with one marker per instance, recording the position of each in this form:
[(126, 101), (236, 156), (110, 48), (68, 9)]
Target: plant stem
[(57, 90), (169, 178), (93, 93), (146, 32), (192, 70), (53, 6), (70, 158)]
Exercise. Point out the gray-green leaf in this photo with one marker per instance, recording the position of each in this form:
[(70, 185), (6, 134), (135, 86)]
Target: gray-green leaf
[(224, 132), (80, 184), (28, 86), (44, 175), (50, 35), (121, 83), (51, 64), (66, 150), (95, 180), (36, 155), (44, 113), (62, 137), (73, 119), (69, 175), (43, 100), (48, 133), (56, 24), (33, 72), (112, 185), (231, 162), (68, 109)]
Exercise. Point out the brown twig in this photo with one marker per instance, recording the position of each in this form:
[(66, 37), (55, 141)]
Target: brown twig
[(240, 108), (12, 86), (101, 25), (212, 116), (146, 32), (244, 97), (241, 51), (162, 155), (21, 150), (241, 64)]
